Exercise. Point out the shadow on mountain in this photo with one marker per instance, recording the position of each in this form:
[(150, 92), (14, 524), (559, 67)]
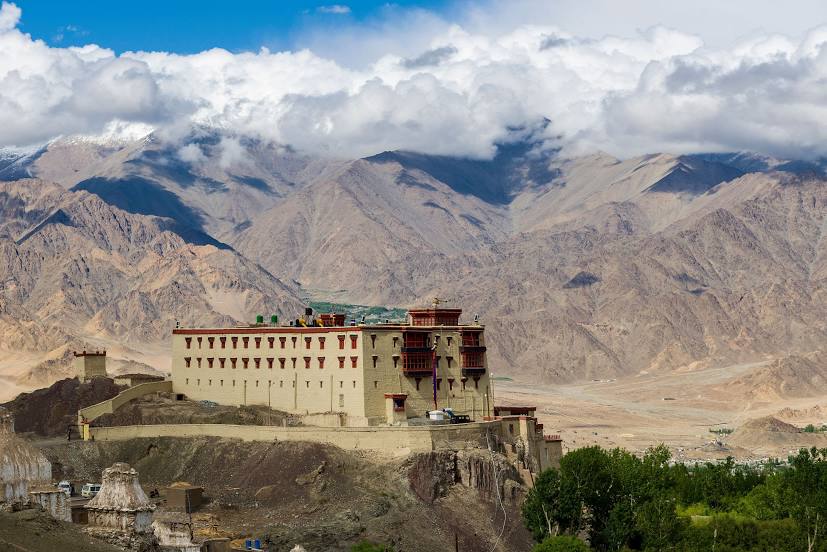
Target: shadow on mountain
[(58, 217), (141, 196), (515, 166), (694, 177)]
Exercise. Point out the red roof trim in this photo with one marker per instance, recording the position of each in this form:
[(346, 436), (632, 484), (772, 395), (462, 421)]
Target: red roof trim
[(267, 330)]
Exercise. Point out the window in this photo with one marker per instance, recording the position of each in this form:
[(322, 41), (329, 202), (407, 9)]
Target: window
[(354, 384), (307, 383), (281, 383), (258, 342), (438, 383), (321, 343), (341, 384), (375, 358), (341, 362), (209, 362), (233, 383), (232, 362), (395, 339), (282, 341), (187, 361), (244, 361), (417, 380), (258, 362), (256, 383), (223, 341), (294, 339), (211, 341), (235, 342), (470, 339), (221, 362), (450, 360), (281, 362), (189, 342), (198, 382), (187, 381), (450, 384), (341, 400), (321, 363), (449, 338), (463, 380), (395, 360), (373, 340), (246, 341), (376, 385), (294, 384), (321, 385), (198, 361), (476, 383), (270, 363), (221, 383), (307, 342), (353, 340), (199, 342), (209, 383), (353, 361), (271, 341), (294, 362), (341, 341), (307, 362)]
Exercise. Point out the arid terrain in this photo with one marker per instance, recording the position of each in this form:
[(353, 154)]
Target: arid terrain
[(614, 286)]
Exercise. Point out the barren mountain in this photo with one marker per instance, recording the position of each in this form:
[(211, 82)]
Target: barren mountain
[(590, 267)]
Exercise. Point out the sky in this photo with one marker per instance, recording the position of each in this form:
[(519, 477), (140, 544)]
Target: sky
[(449, 77)]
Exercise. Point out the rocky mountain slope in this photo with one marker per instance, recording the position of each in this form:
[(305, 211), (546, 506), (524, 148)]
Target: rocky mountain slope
[(590, 267)]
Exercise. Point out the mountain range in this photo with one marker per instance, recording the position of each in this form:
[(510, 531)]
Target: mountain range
[(582, 268)]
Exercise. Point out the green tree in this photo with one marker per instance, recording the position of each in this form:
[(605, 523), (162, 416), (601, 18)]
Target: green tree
[(561, 544), (805, 493), (367, 546)]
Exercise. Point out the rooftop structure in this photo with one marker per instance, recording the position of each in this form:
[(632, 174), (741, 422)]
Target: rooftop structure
[(90, 365), (369, 374)]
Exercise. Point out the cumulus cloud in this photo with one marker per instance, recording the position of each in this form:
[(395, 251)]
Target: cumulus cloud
[(461, 93)]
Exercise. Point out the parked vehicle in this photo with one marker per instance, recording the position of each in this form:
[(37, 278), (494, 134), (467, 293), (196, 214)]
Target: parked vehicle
[(66, 487), (90, 489)]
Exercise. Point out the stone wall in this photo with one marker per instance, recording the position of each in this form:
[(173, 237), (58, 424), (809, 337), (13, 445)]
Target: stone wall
[(94, 411), (54, 501)]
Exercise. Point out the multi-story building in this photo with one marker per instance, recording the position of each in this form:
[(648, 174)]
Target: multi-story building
[(367, 373)]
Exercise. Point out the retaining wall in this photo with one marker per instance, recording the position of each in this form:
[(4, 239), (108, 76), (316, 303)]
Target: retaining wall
[(109, 406), (388, 439)]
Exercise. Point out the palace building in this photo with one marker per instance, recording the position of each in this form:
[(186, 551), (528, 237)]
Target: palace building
[(366, 374)]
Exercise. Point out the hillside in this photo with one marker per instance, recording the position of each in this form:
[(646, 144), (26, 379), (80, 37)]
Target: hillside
[(582, 268)]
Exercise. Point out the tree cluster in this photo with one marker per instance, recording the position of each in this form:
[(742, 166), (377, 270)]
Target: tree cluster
[(614, 500)]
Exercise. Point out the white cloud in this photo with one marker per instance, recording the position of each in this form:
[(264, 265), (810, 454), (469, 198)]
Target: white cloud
[(461, 90), (336, 9)]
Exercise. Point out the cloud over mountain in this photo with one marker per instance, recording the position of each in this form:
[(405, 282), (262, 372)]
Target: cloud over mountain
[(661, 89)]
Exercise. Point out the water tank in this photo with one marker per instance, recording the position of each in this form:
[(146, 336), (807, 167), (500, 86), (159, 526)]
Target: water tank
[(274, 319), (259, 319)]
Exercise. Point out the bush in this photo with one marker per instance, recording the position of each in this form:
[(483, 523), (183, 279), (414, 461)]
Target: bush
[(366, 546), (561, 544)]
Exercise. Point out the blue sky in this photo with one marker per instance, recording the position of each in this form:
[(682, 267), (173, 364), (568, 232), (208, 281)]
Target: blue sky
[(188, 26)]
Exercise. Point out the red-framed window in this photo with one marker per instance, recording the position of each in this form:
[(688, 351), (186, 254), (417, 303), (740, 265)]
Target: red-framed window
[(281, 362), (235, 342), (470, 339), (232, 362), (258, 342), (282, 341), (321, 343), (294, 339), (321, 363), (211, 342), (223, 341), (246, 341), (189, 342), (307, 342), (353, 361), (209, 362), (353, 340), (271, 341), (341, 362), (198, 361), (199, 342), (187, 361), (341, 341), (307, 362), (270, 363), (258, 362), (221, 362), (293, 360), (244, 361)]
